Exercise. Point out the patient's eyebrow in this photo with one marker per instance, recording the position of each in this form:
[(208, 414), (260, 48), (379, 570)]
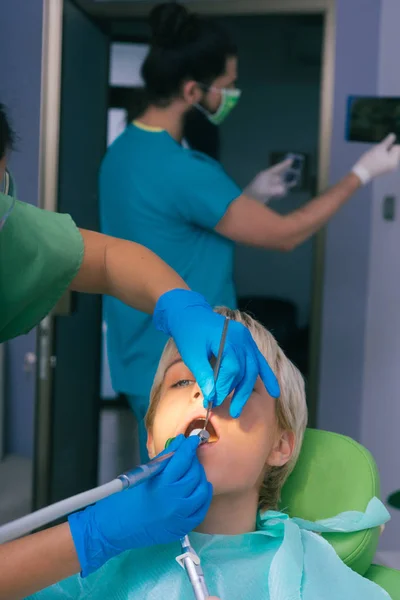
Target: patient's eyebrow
[(174, 362)]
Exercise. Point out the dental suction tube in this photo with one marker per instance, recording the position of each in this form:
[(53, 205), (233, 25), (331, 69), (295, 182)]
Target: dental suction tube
[(39, 518), (194, 570), (44, 516)]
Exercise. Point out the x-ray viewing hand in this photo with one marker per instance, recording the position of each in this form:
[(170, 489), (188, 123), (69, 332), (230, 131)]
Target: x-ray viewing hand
[(383, 158)]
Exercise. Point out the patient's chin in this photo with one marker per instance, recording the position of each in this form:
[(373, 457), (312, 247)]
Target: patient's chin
[(229, 474), (222, 479)]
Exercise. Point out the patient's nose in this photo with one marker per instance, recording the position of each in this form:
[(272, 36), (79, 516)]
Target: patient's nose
[(197, 395)]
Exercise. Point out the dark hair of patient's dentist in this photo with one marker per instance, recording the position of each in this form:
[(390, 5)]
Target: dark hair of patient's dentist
[(184, 46), (7, 135)]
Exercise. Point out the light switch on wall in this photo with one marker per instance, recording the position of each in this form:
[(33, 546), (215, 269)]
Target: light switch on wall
[(388, 208)]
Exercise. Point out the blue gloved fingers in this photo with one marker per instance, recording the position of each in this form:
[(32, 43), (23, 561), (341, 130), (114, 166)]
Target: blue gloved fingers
[(200, 505), (196, 329), (244, 389), (156, 512), (193, 479), (196, 506), (230, 373), (267, 375), (182, 461)]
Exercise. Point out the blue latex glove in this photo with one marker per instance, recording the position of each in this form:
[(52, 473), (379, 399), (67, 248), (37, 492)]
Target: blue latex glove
[(159, 511), (196, 328)]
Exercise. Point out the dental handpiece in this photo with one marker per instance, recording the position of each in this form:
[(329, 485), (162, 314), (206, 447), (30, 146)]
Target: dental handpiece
[(44, 516)]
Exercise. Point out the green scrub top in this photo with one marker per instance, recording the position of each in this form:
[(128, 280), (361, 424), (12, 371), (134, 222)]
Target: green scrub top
[(40, 254)]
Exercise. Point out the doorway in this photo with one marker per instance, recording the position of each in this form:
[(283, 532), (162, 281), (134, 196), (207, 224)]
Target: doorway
[(75, 330), (280, 62), (280, 58)]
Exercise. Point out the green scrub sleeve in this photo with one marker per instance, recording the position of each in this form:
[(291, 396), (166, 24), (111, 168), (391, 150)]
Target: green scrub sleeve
[(40, 254)]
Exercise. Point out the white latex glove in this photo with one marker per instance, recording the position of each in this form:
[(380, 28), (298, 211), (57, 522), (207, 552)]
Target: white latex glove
[(270, 183), (383, 158)]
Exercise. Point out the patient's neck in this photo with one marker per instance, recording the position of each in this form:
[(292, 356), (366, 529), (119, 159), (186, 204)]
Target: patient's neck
[(231, 514)]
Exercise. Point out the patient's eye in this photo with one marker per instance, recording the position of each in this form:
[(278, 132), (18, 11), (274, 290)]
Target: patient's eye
[(182, 383)]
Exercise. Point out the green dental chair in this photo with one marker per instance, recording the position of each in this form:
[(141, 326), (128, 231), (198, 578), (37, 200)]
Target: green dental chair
[(336, 474)]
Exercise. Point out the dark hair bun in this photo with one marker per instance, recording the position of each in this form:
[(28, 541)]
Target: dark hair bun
[(172, 25)]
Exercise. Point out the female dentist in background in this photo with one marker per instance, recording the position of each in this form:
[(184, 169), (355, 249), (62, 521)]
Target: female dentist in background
[(180, 203), (42, 254)]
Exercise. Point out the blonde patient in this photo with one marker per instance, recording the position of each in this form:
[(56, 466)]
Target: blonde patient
[(242, 541), (248, 459)]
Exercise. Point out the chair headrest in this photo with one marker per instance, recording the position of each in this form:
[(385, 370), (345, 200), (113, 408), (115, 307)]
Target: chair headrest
[(334, 474)]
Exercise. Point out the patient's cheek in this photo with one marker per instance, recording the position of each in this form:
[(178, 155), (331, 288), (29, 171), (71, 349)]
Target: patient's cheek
[(164, 426), (158, 437), (159, 443)]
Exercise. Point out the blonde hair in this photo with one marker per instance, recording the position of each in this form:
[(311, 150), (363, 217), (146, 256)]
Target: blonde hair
[(291, 408)]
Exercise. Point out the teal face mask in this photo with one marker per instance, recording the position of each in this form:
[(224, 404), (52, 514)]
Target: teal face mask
[(229, 99)]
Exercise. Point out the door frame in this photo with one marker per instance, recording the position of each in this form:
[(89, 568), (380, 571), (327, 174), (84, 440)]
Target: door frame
[(327, 9), (48, 193), (47, 419), (49, 171)]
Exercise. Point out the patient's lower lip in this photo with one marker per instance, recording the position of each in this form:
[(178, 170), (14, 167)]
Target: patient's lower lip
[(203, 447)]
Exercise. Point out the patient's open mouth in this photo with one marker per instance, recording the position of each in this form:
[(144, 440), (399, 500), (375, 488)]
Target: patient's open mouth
[(199, 424)]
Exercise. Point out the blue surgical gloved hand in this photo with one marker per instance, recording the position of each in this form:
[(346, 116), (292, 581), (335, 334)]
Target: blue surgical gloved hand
[(159, 511), (196, 328)]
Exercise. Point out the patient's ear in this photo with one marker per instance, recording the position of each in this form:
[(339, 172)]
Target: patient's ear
[(150, 445), (282, 450)]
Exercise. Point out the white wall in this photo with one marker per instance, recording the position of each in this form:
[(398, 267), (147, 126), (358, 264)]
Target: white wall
[(20, 91), (349, 232), (360, 348), (279, 73), (381, 399)]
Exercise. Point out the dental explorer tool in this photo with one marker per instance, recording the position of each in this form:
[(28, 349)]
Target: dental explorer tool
[(216, 373)]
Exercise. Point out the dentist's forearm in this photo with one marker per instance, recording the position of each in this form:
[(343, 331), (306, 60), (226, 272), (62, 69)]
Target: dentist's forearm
[(308, 219), (35, 562), (124, 270), (248, 222)]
